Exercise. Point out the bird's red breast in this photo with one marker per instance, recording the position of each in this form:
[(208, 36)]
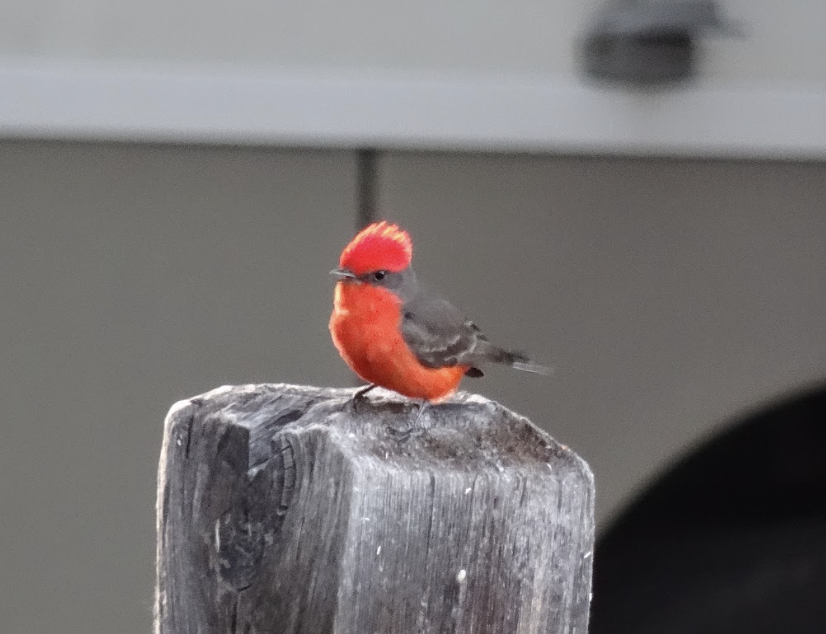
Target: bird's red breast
[(365, 326)]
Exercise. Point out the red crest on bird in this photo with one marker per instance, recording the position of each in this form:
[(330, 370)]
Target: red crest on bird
[(380, 246)]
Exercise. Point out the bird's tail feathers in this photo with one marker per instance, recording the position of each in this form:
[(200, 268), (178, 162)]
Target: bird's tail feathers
[(520, 361), (531, 366)]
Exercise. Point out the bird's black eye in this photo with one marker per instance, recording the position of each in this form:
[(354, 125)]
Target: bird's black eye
[(379, 275)]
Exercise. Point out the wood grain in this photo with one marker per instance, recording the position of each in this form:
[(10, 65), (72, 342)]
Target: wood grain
[(286, 509)]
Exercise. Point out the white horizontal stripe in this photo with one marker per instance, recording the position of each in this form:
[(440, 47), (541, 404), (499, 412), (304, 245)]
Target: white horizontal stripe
[(392, 110)]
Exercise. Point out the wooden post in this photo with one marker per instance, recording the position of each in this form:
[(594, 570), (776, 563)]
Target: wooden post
[(288, 510)]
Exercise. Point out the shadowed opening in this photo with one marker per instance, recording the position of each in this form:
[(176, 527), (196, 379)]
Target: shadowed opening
[(730, 540)]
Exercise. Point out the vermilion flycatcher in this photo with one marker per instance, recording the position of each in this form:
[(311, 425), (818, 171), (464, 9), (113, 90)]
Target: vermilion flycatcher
[(395, 334)]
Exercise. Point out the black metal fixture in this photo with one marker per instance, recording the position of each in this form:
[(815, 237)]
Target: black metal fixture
[(649, 42)]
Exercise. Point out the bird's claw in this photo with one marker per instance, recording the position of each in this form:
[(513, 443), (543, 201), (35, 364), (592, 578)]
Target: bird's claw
[(413, 429), (360, 396), (354, 402), (407, 433)]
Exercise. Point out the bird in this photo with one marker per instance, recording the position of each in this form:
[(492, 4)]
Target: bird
[(395, 333)]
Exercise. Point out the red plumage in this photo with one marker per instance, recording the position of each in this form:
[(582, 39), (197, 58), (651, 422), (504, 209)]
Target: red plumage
[(395, 334), (379, 246)]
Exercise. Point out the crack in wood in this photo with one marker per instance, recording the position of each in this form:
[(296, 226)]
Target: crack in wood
[(288, 512)]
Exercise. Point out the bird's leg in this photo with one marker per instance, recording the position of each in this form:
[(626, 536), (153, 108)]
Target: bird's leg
[(416, 422), (415, 428), (359, 395)]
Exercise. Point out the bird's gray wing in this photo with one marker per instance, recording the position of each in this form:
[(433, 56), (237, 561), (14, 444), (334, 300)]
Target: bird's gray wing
[(439, 335)]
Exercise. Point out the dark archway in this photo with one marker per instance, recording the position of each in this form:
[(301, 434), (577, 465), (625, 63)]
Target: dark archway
[(731, 540)]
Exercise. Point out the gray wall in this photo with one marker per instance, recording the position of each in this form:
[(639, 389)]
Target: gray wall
[(132, 277), (669, 295), (784, 40)]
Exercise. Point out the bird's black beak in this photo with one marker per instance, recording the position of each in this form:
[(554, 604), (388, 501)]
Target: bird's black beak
[(343, 274)]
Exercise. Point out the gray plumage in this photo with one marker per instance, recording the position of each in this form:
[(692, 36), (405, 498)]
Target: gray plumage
[(439, 334)]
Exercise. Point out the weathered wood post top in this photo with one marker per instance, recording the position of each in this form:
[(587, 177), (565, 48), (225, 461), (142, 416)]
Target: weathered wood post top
[(290, 510)]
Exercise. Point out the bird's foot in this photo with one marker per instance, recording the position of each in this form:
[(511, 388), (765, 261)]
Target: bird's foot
[(359, 396), (414, 429), (406, 433)]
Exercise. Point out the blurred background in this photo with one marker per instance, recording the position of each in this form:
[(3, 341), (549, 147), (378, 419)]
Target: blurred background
[(176, 180)]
